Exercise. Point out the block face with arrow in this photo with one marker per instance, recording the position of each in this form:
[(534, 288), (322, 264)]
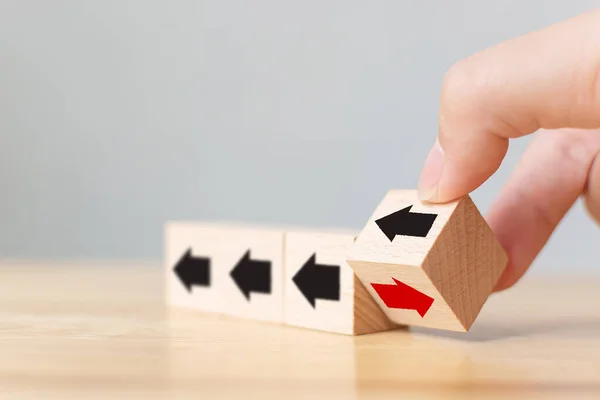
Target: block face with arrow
[(425, 264), (321, 291), (227, 269)]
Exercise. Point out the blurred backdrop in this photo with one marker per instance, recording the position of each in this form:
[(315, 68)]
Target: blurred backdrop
[(116, 116)]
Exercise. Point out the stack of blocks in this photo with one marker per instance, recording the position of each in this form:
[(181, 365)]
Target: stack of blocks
[(413, 264)]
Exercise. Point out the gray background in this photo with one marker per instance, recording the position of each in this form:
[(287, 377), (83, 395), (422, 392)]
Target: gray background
[(116, 116)]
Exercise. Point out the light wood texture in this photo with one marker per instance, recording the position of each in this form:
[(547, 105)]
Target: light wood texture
[(456, 264), (97, 331), (311, 260), (225, 245)]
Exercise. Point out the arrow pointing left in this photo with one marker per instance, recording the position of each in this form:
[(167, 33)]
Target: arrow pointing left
[(406, 223), (193, 271), (252, 275), (318, 281)]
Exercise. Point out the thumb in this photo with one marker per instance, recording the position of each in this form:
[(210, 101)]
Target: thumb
[(547, 79)]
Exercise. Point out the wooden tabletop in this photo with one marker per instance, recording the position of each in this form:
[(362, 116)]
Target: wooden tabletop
[(96, 331)]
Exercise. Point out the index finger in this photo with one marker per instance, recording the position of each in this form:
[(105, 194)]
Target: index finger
[(546, 79)]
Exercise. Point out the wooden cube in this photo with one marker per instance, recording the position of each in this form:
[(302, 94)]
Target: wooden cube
[(431, 265), (321, 290), (226, 269)]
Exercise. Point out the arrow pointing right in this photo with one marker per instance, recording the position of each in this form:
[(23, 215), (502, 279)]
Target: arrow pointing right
[(193, 270), (403, 296)]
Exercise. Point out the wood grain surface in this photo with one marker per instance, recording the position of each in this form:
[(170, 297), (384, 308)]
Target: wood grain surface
[(102, 331)]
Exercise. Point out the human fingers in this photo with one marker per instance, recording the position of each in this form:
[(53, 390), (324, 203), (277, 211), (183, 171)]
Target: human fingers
[(547, 79), (549, 178), (592, 191)]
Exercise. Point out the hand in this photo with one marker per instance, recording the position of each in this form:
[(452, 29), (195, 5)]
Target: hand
[(547, 80)]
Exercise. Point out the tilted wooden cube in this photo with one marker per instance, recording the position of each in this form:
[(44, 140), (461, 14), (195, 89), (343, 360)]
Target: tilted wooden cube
[(430, 265)]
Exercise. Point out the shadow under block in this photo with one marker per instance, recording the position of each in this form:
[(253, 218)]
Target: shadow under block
[(322, 292), (430, 265), (225, 269)]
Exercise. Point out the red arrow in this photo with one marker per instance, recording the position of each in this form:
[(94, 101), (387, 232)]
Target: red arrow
[(403, 296)]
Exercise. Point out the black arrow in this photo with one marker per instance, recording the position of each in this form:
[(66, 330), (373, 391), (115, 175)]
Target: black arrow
[(405, 223), (193, 270), (252, 275), (318, 281)]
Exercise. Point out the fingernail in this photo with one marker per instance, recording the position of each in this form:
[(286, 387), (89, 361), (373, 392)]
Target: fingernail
[(432, 173)]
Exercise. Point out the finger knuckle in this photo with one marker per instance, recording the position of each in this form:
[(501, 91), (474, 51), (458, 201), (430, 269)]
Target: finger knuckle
[(463, 91), (574, 149), (457, 83)]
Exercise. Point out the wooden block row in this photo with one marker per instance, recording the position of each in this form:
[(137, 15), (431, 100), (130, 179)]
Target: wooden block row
[(414, 263), (299, 278)]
